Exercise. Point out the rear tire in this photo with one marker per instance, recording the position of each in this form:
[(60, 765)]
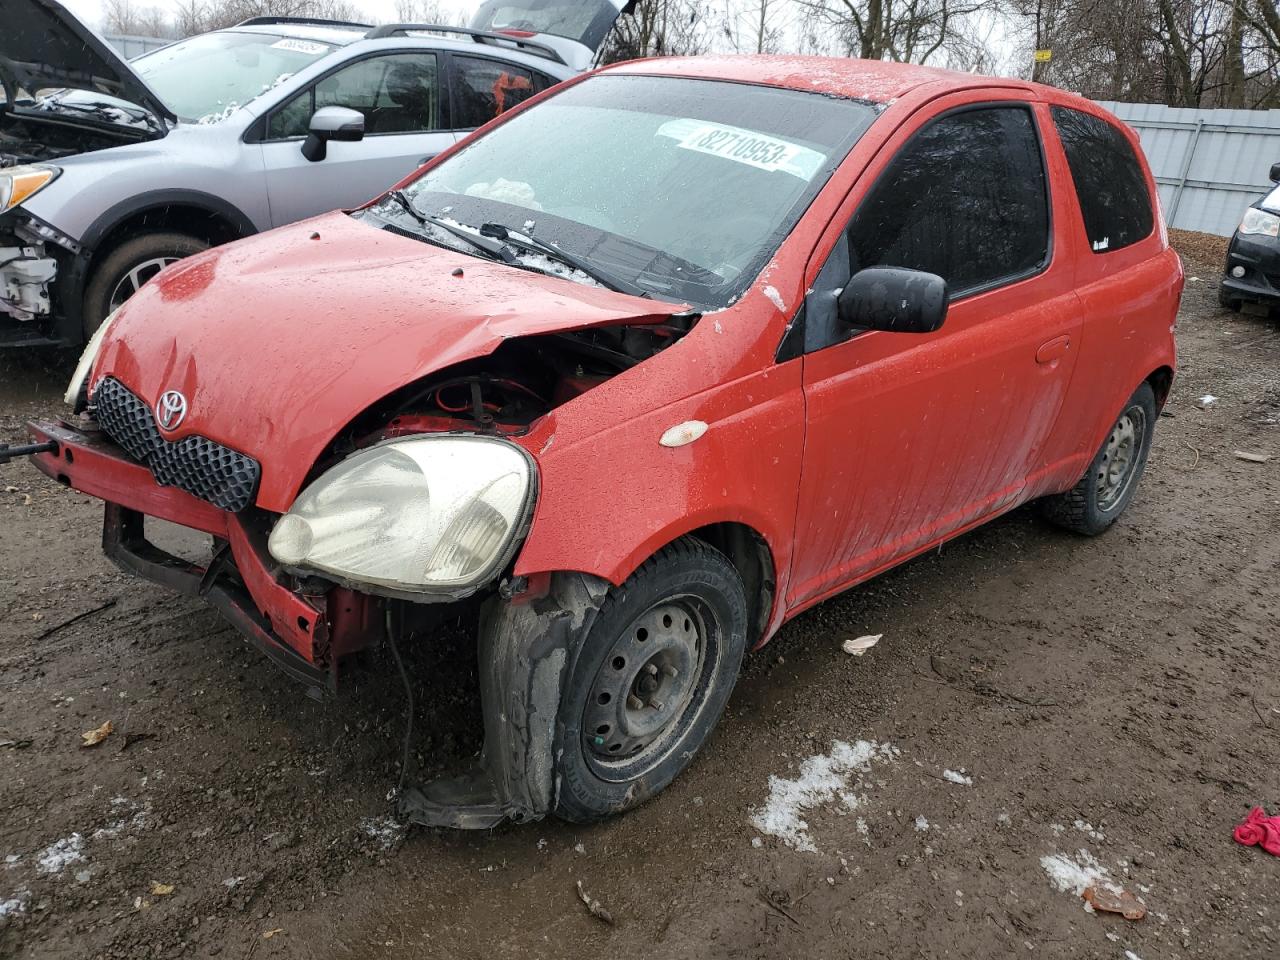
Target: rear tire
[(668, 641), (1111, 481), (129, 266)]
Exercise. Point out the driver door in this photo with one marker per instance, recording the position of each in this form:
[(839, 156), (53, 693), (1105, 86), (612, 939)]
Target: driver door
[(400, 96)]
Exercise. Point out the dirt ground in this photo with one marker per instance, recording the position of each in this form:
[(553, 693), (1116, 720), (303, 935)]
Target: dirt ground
[(1119, 696)]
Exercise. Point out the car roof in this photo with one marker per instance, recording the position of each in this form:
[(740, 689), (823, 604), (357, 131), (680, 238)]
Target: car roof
[(876, 81), (321, 32)]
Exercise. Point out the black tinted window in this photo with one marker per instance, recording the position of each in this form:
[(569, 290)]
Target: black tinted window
[(965, 199), (483, 89), (1109, 182)]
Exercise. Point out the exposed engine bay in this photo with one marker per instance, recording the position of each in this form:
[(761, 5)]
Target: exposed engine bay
[(39, 139)]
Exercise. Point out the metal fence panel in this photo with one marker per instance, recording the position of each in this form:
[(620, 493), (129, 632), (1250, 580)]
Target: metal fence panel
[(1209, 164), (131, 46)]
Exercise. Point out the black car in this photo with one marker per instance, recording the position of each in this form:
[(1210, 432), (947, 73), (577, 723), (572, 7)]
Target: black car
[(1253, 260)]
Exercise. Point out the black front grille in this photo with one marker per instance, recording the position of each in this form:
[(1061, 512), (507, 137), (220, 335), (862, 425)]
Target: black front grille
[(198, 465)]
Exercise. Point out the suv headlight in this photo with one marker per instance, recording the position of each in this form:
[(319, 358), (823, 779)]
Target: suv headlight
[(423, 515), (19, 183), (86, 360), (1260, 222)]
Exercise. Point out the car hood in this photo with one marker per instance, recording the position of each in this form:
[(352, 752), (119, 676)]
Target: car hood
[(277, 342), (44, 47)]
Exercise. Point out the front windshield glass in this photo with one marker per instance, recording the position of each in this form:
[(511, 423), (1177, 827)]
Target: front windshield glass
[(680, 188), (206, 78)]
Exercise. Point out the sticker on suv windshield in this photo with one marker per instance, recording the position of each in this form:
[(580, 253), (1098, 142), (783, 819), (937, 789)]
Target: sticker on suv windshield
[(301, 46), (744, 146)]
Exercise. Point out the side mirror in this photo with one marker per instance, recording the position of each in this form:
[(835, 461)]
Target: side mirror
[(1275, 173), (894, 299), (331, 123)]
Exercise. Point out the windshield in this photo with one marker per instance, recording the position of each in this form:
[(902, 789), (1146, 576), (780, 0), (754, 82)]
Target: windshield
[(586, 21), (681, 188), (206, 78)]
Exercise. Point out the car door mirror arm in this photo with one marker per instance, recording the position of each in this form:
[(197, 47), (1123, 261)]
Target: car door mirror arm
[(331, 123), (894, 299)]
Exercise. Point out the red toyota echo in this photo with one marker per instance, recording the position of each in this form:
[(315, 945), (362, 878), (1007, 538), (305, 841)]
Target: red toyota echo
[(633, 375)]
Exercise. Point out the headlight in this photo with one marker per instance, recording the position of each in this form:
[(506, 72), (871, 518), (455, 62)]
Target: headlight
[(86, 360), (424, 515), (19, 183), (1260, 222)]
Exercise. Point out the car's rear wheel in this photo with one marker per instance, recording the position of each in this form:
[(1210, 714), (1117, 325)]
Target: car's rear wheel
[(1111, 481), (126, 268), (650, 681)]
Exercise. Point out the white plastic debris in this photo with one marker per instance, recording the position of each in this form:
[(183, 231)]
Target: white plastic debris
[(856, 647), (1207, 401), (960, 778), (1074, 875)]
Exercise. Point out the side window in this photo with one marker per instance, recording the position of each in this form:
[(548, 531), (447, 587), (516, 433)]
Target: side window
[(965, 198), (397, 93), (1108, 179), (483, 89)]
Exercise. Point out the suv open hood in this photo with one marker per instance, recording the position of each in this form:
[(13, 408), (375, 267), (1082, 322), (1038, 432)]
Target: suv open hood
[(280, 340), (43, 46), (575, 29)]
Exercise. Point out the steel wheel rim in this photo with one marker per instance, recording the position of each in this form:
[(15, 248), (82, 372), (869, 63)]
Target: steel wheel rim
[(136, 276), (650, 687), (1120, 457)]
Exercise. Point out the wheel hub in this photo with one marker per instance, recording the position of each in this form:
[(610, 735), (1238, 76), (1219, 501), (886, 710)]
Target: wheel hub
[(138, 275), (1120, 457), (646, 681)]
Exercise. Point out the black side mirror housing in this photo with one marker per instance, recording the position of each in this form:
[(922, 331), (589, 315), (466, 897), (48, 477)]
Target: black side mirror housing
[(1275, 173), (331, 123), (894, 299)]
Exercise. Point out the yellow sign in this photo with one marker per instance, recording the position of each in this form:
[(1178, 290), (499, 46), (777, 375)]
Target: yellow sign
[(1044, 56)]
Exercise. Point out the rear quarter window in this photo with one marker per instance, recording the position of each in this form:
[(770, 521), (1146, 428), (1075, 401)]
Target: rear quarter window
[(1108, 178)]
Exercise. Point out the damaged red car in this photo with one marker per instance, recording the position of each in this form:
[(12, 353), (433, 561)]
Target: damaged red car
[(641, 370)]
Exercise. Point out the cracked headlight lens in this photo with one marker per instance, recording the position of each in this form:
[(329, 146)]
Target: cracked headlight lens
[(432, 514)]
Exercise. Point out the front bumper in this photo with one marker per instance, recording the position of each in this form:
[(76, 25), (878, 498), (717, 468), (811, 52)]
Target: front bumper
[(303, 634), (1259, 257)]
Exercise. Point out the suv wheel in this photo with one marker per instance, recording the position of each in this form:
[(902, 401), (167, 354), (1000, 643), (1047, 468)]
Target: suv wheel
[(128, 267), (1109, 484), (650, 682)]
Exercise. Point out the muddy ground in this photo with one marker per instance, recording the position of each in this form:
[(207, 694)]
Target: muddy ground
[(1118, 695)]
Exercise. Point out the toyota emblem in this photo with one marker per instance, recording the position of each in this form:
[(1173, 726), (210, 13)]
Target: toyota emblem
[(171, 410)]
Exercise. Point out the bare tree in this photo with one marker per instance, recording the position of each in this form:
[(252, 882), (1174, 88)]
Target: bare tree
[(657, 28), (906, 31)]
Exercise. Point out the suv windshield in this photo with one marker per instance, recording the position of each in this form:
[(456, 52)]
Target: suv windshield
[(206, 78), (681, 188)]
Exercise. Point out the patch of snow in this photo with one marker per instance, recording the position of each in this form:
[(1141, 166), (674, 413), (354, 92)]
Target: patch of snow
[(823, 778), (757, 842), (960, 778), (385, 830), (1074, 875), (61, 853), (775, 298), (1004, 819), (1089, 829), (1130, 955), (232, 882), (922, 824), (12, 860), (15, 904)]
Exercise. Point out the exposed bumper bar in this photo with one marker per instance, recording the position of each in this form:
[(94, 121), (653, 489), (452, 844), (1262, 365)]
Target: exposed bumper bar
[(295, 631)]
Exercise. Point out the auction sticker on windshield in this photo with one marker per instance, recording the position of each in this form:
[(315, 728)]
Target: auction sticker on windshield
[(744, 146), (301, 46)]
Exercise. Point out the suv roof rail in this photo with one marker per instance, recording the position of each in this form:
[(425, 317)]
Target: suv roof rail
[(315, 21), (479, 36)]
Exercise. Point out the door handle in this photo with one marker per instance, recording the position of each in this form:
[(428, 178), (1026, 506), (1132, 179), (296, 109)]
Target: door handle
[(1053, 350)]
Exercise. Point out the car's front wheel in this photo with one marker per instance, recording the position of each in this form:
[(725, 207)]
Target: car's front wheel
[(128, 267), (651, 680), (1107, 487)]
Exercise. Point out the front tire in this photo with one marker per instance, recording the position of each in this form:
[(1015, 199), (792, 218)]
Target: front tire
[(650, 682), (128, 267), (1111, 481)]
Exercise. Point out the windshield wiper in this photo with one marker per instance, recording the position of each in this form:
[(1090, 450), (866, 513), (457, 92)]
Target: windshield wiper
[(505, 234), (495, 249)]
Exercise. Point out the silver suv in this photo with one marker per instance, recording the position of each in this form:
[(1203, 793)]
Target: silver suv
[(109, 170)]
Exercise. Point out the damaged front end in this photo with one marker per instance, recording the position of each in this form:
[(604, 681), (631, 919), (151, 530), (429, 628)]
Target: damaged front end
[(35, 258)]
